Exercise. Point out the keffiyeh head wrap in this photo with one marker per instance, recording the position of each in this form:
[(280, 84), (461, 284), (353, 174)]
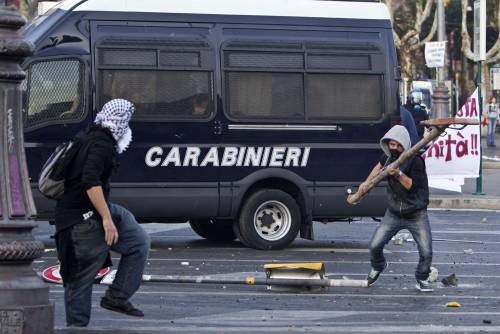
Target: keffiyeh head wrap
[(115, 116)]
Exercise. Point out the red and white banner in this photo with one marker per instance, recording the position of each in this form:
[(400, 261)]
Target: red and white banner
[(455, 155)]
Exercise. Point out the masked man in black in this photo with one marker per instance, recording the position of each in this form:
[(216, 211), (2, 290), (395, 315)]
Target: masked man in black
[(408, 198)]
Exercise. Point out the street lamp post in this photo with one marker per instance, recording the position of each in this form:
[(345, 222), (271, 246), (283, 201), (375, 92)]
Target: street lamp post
[(24, 298), (441, 35), (441, 97)]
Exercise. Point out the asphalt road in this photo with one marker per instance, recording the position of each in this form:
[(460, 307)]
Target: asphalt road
[(392, 305)]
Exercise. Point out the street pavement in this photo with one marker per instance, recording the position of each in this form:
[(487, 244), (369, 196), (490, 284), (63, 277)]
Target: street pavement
[(466, 244)]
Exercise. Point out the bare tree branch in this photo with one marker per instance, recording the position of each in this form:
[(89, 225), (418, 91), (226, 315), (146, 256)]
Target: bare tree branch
[(466, 45), (422, 16), (397, 40), (430, 36), (494, 59), (414, 33), (493, 54)]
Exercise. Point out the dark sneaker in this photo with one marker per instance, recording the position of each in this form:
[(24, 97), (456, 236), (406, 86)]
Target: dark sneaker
[(126, 308), (374, 274), (424, 286)]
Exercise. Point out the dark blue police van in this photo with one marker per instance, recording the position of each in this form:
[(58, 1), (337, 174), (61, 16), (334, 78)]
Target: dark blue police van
[(253, 118)]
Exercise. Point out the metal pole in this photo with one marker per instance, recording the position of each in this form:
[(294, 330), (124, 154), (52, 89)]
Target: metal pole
[(24, 298), (441, 34), (440, 101), (479, 180), (304, 282)]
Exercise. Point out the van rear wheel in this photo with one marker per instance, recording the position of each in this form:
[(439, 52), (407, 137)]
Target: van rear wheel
[(213, 229), (269, 219)]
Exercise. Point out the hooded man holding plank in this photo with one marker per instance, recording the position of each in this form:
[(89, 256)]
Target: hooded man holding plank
[(408, 198)]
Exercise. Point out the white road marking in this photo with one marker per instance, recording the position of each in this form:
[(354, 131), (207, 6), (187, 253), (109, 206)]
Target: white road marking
[(347, 251), (303, 317), (57, 289), (383, 328), (463, 210), (409, 275), (386, 251), (495, 158), (158, 228), (336, 250), (469, 232), (256, 261)]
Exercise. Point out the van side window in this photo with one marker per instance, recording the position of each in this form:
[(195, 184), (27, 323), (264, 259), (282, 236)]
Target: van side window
[(165, 79), (303, 82), (265, 95), (160, 95), (263, 85), (344, 96), (53, 92)]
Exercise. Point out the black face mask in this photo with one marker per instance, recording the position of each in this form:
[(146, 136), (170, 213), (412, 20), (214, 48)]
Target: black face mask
[(394, 154)]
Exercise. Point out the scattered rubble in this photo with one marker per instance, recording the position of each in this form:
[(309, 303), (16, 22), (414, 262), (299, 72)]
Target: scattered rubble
[(400, 237), (450, 280), (433, 275), (453, 304)]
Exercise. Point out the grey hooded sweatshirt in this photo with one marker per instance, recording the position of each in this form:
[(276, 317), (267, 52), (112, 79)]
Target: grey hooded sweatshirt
[(400, 200)]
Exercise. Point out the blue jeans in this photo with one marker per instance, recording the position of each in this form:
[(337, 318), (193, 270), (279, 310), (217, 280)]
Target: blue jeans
[(90, 252), (418, 225), (492, 124)]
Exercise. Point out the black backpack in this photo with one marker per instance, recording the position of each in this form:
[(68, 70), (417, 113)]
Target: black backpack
[(53, 174)]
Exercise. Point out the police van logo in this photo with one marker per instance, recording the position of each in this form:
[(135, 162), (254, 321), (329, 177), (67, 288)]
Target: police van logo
[(193, 156)]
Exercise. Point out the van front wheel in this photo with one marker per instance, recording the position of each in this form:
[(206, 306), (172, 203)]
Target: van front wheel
[(269, 219), (213, 230)]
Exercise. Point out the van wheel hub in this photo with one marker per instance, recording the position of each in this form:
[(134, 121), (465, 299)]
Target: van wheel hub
[(267, 220), (272, 220)]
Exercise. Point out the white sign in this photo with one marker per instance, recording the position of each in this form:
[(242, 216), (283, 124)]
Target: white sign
[(434, 53), (495, 77), (455, 155), (496, 81), (479, 30)]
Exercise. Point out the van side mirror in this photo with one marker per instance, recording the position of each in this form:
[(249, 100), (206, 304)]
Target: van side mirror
[(397, 73)]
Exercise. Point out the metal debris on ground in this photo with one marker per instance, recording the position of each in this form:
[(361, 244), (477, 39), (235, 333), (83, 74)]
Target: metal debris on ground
[(450, 280), (433, 275), (453, 304), (400, 237), (398, 241)]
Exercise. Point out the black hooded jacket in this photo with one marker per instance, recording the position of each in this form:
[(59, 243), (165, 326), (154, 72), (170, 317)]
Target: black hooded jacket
[(92, 166), (404, 201)]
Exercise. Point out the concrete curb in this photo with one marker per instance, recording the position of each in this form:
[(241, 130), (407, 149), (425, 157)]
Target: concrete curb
[(491, 165), (468, 202)]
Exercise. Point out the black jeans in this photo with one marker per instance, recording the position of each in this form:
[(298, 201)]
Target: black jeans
[(418, 225)]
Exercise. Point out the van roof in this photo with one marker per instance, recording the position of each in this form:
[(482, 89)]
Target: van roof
[(288, 8)]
